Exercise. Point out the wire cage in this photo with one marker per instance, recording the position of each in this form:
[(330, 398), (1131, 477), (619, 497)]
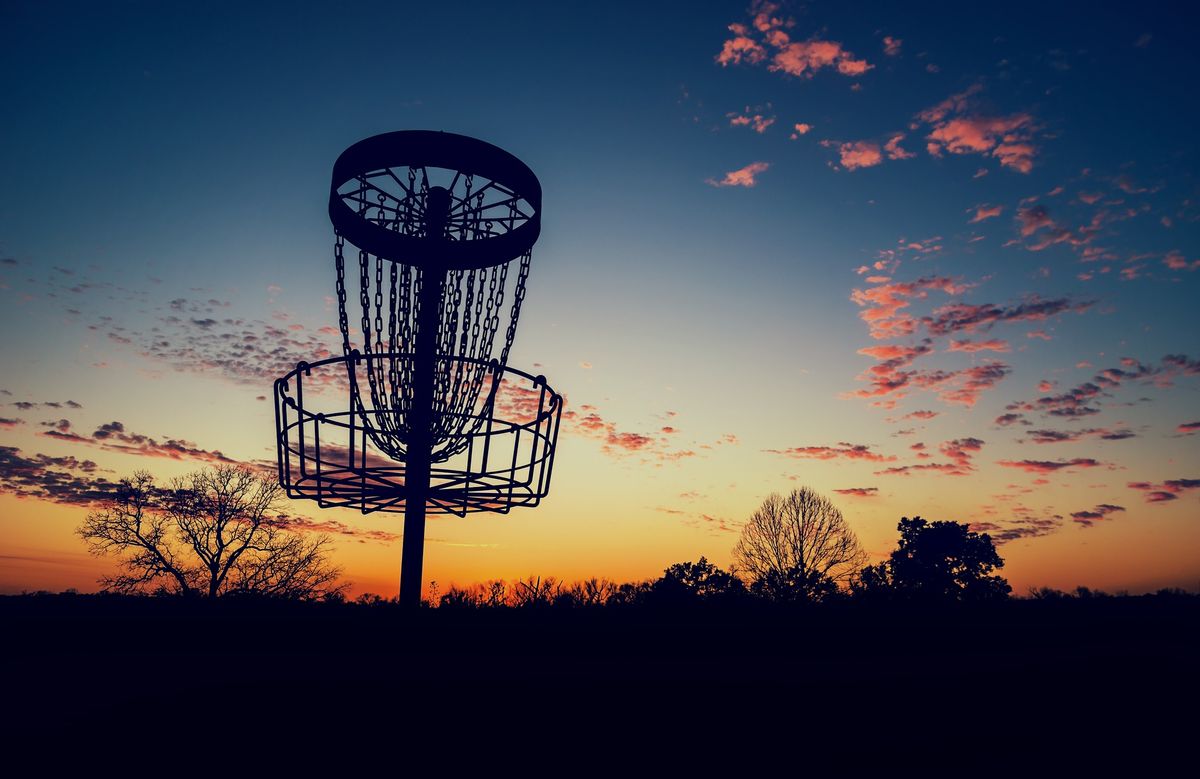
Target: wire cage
[(326, 453)]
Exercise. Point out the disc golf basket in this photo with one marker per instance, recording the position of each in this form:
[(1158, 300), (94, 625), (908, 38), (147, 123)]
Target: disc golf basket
[(421, 411)]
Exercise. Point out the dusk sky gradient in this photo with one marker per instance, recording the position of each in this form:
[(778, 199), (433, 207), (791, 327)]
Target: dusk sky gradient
[(935, 259)]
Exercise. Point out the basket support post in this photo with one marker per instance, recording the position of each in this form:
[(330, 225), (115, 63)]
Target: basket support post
[(417, 460)]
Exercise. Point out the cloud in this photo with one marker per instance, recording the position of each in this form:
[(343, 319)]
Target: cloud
[(962, 387), (959, 451), (1175, 260), (247, 352), (1187, 428), (883, 305), (325, 525), (113, 437), (884, 309), (893, 150), (992, 345), (985, 211), (715, 525), (27, 405), (740, 48), (959, 387), (657, 445), (964, 317), (6, 422), (1021, 527), (804, 58), (742, 177), (758, 122), (867, 154), (1049, 466), (767, 41), (800, 128), (59, 479), (1090, 517), (1062, 436), (859, 154), (1035, 222), (1167, 491), (1004, 420), (843, 450), (956, 125), (891, 46), (1084, 399), (859, 492)]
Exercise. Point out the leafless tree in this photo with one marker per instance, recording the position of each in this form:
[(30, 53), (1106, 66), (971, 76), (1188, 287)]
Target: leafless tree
[(535, 591), (589, 592), (210, 533), (798, 546)]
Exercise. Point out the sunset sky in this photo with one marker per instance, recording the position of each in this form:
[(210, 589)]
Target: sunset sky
[(934, 259)]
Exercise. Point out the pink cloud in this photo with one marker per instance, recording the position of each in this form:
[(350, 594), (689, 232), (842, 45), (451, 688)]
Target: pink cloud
[(1036, 221), (1090, 517), (963, 317), (992, 345), (800, 128), (859, 492), (1063, 436), (805, 58), (1082, 400), (986, 212), (1049, 466), (740, 48), (959, 451), (883, 304), (1187, 428), (891, 46), (843, 450), (956, 126), (894, 152), (1176, 261), (1167, 491), (859, 154), (758, 122), (963, 387), (795, 58), (742, 177)]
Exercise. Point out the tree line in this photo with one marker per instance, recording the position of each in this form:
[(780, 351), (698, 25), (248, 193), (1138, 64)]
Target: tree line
[(217, 533)]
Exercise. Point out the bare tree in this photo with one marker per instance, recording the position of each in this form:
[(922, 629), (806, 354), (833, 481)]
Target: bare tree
[(210, 533), (535, 591), (797, 546)]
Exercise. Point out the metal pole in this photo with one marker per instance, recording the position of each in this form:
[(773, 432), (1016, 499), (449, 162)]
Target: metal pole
[(417, 459)]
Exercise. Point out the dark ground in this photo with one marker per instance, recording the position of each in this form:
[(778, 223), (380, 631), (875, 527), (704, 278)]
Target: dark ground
[(1118, 672)]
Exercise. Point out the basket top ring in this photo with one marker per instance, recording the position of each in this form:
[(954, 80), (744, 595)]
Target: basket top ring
[(509, 203)]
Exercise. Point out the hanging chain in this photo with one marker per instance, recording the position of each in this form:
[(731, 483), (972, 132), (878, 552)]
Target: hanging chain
[(518, 297), (393, 373), (467, 325), (339, 262)]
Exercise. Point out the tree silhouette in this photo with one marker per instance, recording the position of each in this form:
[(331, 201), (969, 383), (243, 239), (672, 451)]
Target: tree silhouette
[(797, 547), (210, 533), (938, 561), (703, 582)]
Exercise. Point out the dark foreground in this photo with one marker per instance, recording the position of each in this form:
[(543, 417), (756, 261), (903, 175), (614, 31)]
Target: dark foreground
[(1023, 669)]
